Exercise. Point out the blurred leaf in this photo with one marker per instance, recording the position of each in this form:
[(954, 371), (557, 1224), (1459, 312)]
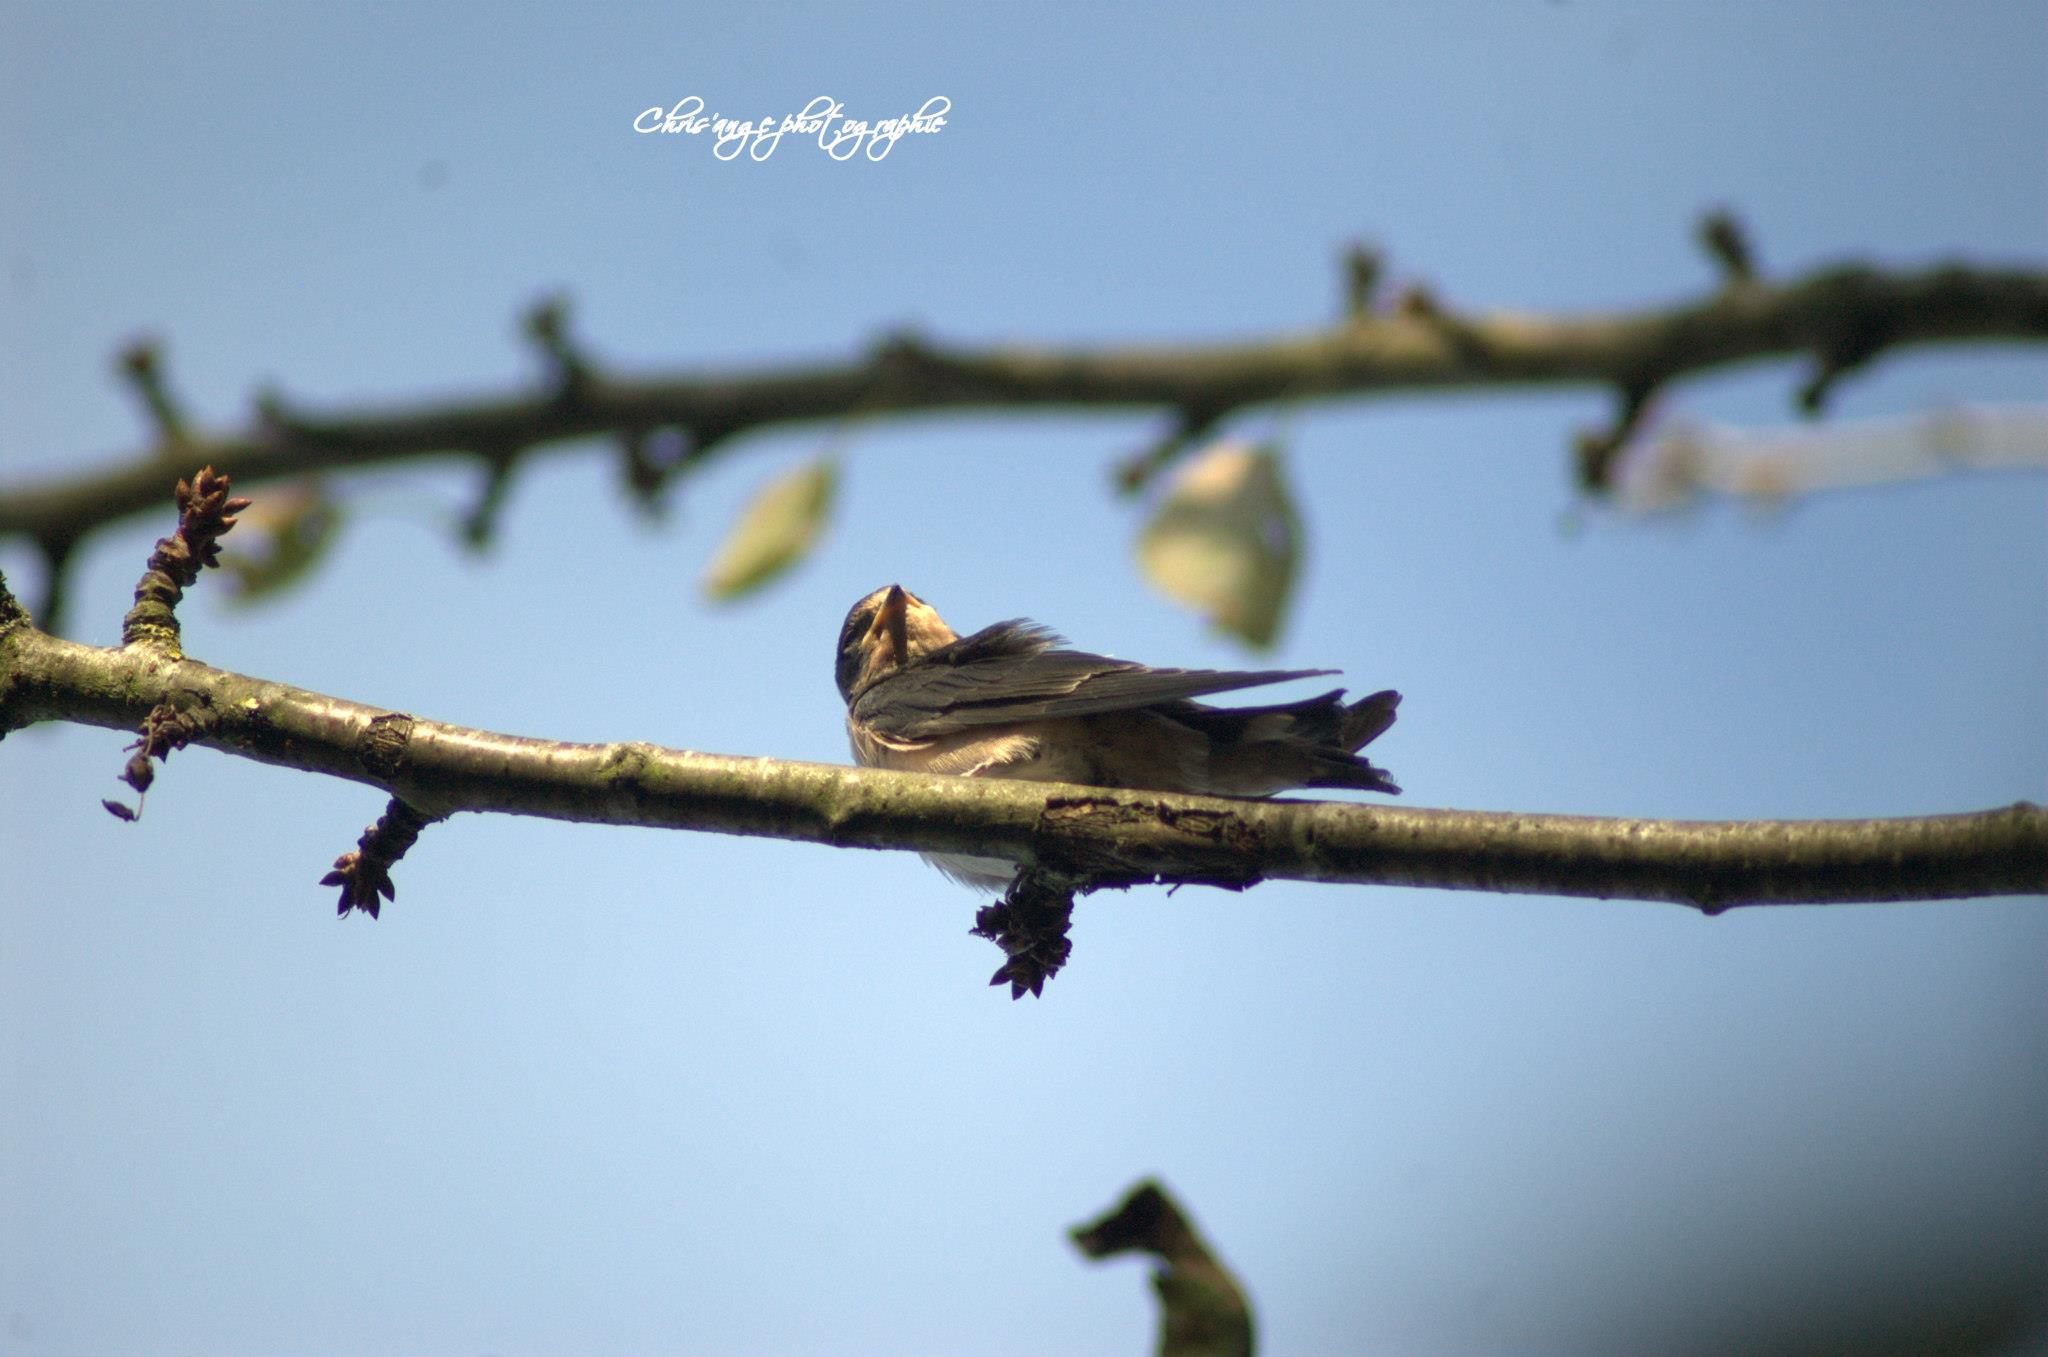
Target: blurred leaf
[(775, 531), (1678, 464), (279, 538), (1226, 541)]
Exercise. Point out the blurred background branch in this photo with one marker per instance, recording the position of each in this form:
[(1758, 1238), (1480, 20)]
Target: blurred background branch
[(660, 427), (1202, 1308)]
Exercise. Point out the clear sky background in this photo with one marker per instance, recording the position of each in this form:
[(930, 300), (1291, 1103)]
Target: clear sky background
[(615, 1091)]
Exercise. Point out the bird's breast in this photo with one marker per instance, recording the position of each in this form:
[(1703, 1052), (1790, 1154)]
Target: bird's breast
[(995, 753), (1120, 749)]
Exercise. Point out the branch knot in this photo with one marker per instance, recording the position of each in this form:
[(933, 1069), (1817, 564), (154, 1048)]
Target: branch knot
[(382, 746)]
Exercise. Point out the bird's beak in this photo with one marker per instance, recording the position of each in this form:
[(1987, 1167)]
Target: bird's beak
[(889, 623)]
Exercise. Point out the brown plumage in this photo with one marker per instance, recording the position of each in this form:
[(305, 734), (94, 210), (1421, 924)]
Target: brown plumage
[(1008, 701)]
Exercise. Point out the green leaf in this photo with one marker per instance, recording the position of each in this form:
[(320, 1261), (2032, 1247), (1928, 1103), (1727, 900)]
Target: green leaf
[(777, 529), (278, 540), (1226, 541)]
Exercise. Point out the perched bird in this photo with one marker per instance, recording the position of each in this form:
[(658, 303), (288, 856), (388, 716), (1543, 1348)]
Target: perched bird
[(1009, 701)]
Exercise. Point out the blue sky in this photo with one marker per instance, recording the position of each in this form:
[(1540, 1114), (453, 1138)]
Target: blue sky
[(588, 1090)]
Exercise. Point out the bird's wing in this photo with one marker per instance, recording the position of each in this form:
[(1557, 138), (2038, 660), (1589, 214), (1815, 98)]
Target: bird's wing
[(1010, 673)]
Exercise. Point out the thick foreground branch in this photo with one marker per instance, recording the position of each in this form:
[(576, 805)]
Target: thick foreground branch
[(1089, 835)]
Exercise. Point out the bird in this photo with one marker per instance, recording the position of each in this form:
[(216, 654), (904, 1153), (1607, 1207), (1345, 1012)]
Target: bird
[(1011, 701)]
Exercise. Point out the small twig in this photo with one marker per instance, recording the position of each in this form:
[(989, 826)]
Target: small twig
[(168, 726), (171, 724), (1465, 338), (1830, 368), (142, 364), (1859, 332), (1030, 924), (547, 325), (1417, 301), (1596, 451), (1202, 1307), (653, 459), (648, 459), (58, 552), (480, 524), (364, 875), (903, 353), (1728, 244), (278, 421), (1363, 265), (1191, 425), (205, 514)]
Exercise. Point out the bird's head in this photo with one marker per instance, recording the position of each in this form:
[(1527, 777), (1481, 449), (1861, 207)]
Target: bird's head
[(885, 631)]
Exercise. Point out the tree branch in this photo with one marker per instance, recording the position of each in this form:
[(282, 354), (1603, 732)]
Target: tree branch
[(1202, 1307), (1086, 834), (1841, 317)]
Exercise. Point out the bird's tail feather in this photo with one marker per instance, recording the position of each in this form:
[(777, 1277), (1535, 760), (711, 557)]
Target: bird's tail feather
[(1256, 751), (1368, 718), (1364, 721), (1350, 770)]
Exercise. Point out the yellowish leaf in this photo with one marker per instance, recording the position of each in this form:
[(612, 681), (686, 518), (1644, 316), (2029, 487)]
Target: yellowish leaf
[(1226, 541), (279, 538), (775, 531)]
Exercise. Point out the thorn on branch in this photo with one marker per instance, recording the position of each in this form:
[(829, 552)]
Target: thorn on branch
[(1598, 450), (1030, 924), (276, 421), (1854, 349), (650, 460), (644, 470), (1812, 397), (141, 363), (1363, 266), (206, 513), (1860, 331), (1191, 425), (1728, 243), (547, 325), (1418, 302), (364, 875), (904, 352), (170, 725), (706, 434), (480, 524), (58, 552)]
